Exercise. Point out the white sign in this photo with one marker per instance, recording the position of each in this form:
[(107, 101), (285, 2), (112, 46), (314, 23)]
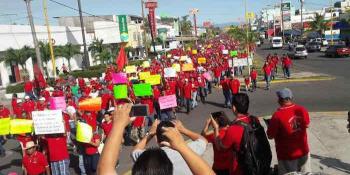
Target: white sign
[(225, 52), (48, 122), (242, 62), (169, 72)]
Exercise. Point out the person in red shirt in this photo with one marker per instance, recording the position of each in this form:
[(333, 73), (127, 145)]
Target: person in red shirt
[(267, 71), (247, 83), (4, 112), (28, 89), (106, 125), (41, 104), (156, 95), (58, 153), (34, 162), (222, 157), (225, 85), (187, 91), (92, 155), (234, 133), (57, 92), (28, 106), (107, 100), (195, 86), (201, 88), (90, 118), (288, 127), (46, 94), (235, 86), (14, 102), (286, 65), (253, 77)]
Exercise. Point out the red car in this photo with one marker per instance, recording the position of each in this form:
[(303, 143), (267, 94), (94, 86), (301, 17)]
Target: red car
[(337, 50)]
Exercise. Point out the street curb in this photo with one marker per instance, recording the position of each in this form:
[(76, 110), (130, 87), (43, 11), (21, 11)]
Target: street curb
[(299, 80)]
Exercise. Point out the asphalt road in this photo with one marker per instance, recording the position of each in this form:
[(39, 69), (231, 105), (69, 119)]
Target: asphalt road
[(315, 96)]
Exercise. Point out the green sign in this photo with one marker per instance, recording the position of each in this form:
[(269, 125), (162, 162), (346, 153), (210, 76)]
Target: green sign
[(142, 90), (162, 32), (123, 28), (286, 6), (75, 90), (120, 92), (234, 53)]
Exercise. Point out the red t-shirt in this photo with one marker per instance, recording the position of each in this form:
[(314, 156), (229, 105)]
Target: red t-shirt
[(235, 85), (14, 104), (106, 98), (35, 164), (91, 120), (225, 84), (90, 149), (254, 75), (107, 127), (57, 147), (29, 106), (247, 81), (66, 118), (267, 70), (288, 127), (28, 86), (149, 102), (4, 113), (57, 93), (156, 93), (46, 95), (222, 157), (41, 106), (187, 91)]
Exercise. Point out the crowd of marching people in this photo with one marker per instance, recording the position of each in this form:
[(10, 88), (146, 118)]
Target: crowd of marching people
[(112, 126)]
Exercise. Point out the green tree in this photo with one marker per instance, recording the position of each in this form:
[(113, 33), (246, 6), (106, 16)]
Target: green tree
[(68, 51), (186, 25), (18, 56), (244, 38), (319, 24), (96, 47)]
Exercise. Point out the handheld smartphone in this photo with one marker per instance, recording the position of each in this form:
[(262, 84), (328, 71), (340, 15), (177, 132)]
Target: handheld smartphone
[(217, 114), (139, 110)]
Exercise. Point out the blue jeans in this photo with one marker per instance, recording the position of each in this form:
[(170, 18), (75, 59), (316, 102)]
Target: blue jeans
[(267, 80), (287, 74), (81, 165), (31, 95), (227, 95), (2, 149), (194, 99), (90, 163)]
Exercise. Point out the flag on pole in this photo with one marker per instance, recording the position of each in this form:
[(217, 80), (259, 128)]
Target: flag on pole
[(121, 59)]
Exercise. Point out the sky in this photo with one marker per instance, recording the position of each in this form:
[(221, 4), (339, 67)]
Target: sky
[(217, 11)]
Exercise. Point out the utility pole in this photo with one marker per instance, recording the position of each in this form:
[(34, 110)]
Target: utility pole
[(144, 36), (194, 13), (301, 16), (180, 31), (332, 39), (53, 62), (86, 61), (247, 39), (35, 39), (282, 23)]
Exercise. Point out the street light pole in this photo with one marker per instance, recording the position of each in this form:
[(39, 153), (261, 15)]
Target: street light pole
[(86, 62), (247, 39), (282, 23), (301, 16), (144, 37), (332, 39), (35, 39), (53, 62)]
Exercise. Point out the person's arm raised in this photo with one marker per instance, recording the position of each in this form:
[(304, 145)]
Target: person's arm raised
[(110, 153), (197, 165), (183, 130), (152, 132)]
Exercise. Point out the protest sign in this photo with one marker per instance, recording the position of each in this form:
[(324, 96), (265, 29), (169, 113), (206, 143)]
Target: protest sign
[(141, 90), (177, 67), (58, 103), (21, 126), (4, 126), (234, 53), (183, 58), (48, 122), (207, 76), (225, 52), (91, 104), (169, 72), (75, 90), (187, 67), (166, 102), (153, 80), (144, 75), (194, 52), (119, 78), (130, 69), (145, 64), (120, 91), (176, 57), (202, 60), (84, 132)]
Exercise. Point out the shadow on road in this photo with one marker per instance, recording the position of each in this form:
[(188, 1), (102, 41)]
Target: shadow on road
[(333, 163), (13, 163), (220, 105)]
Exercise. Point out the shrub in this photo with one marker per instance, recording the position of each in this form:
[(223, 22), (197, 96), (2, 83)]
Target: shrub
[(17, 88), (87, 73)]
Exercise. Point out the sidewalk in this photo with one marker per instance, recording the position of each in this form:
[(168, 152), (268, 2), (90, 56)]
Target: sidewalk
[(329, 143)]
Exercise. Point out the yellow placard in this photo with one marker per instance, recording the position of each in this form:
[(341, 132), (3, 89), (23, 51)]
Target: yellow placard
[(194, 52), (177, 67), (168, 56), (187, 67), (183, 58), (144, 75), (21, 126), (146, 64), (202, 60), (130, 69), (153, 80), (250, 15), (84, 132), (4, 126)]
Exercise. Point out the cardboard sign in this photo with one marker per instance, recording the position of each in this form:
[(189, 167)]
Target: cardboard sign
[(177, 67), (21, 126), (91, 104), (120, 78), (84, 132), (169, 72), (194, 52), (207, 76), (234, 53), (144, 75), (130, 69), (167, 102), (146, 64), (183, 58), (187, 67), (75, 90), (153, 80), (120, 91), (4, 126), (202, 60), (225, 52), (58, 103), (48, 122), (141, 90)]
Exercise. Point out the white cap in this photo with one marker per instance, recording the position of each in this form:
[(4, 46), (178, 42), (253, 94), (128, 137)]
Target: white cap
[(111, 109), (26, 97), (29, 144), (19, 101), (42, 99)]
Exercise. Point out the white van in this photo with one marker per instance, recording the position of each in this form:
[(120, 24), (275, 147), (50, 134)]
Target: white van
[(276, 42)]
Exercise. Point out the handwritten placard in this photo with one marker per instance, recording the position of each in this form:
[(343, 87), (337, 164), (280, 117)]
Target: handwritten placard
[(144, 75), (225, 52), (167, 102), (146, 64), (141, 90), (84, 132), (177, 67), (21, 126), (207, 76), (169, 72), (130, 69), (153, 80), (119, 78), (187, 67), (201, 60), (194, 52), (48, 122), (4, 126), (58, 103)]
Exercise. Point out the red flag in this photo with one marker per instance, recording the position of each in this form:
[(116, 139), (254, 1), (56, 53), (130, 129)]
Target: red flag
[(121, 59)]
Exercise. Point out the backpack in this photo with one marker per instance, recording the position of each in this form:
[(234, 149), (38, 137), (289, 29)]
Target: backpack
[(255, 154)]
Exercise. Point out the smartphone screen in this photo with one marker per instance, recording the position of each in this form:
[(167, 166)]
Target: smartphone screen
[(217, 114), (139, 110)]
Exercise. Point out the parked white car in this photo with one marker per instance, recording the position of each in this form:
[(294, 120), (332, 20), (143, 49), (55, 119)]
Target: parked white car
[(276, 43), (299, 52)]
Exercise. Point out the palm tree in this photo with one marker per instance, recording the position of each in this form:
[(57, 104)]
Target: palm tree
[(242, 36), (319, 24), (45, 52), (96, 47), (186, 25), (18, 56), (68, 51)]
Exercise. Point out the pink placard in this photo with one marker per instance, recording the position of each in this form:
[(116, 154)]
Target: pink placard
[(166, 102), (207, 76), (57, 103), (120, 78)]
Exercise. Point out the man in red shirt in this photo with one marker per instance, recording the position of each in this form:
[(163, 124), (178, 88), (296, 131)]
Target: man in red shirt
[(235, 86), (195, 86), (286, 65), (187, 91), (267, 71), (92, 155), (34, 162), (253, 77), (91, 119), (234, 133), (4, 112), (41, 104), (288, 127), (225, 84), (28, 106), (58, 153), (28, 89)]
